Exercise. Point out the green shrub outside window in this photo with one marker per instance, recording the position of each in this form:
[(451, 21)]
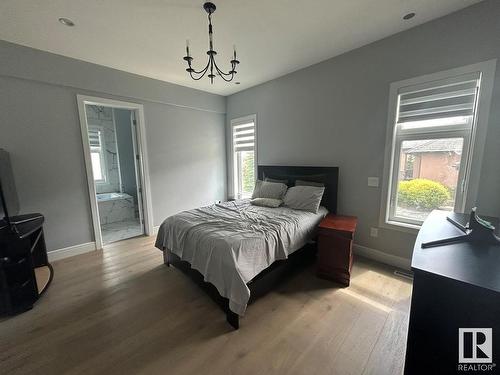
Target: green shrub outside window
[(422, 193)]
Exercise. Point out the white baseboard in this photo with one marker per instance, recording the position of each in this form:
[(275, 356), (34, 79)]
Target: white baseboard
[(364, 251), (155, 230), (382, 257), (70, 251)]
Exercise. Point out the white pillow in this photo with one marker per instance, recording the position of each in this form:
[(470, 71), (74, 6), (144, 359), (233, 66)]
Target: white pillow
[(306, 198), (266, 202), (265, 189)]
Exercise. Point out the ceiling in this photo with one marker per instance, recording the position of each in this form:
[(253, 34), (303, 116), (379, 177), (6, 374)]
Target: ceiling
[(148, 37)]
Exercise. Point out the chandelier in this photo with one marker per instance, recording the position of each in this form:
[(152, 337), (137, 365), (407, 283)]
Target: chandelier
[(211, 64)]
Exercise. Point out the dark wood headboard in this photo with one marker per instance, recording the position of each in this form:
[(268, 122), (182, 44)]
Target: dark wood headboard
[(329, 176)]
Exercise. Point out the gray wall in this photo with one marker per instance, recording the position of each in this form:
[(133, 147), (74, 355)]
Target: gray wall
[(125, 145), (335, 113), (40, 128)]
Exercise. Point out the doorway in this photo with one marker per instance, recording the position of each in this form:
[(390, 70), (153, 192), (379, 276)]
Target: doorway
[(117, 173)]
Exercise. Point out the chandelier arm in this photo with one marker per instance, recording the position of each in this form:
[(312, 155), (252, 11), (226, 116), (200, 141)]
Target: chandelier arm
[(201, 73), (196, 79), (231, 72), (204, 70), (226, 79), (222, 74)]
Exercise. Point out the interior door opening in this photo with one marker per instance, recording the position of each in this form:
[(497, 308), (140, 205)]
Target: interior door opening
[(115, 171)]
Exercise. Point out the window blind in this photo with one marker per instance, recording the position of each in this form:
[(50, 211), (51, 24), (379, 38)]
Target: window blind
[(244, 137), (439, 99), (95, 138)]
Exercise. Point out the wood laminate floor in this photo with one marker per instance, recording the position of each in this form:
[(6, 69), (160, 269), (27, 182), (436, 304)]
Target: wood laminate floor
[(121, 311)]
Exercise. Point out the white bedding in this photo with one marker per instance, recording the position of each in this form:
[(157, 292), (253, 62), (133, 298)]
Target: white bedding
[(232, 242)]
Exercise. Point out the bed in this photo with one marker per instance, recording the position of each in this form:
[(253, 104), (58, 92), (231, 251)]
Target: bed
[(237, 251)]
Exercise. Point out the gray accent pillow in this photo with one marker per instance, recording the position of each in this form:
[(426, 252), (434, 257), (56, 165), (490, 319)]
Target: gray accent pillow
[(266, 202), (265, 189), (306, 198), (308, 183)]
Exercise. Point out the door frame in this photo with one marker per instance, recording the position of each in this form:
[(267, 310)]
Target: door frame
[(82, 101), (137, 168)]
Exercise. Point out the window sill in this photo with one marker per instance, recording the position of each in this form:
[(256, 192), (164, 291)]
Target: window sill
[(399, 226)]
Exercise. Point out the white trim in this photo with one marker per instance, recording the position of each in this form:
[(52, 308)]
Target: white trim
[(90, 175), (137, 167), (235, 122), (380, 256), (364, 251), (143, 155), (70, 251), (478, 137), (156, 228), (83, 100)]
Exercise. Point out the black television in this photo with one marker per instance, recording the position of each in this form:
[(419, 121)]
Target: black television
[(8, 192), (9, 208)]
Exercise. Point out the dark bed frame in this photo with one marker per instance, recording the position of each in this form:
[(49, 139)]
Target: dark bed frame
[(279, 270)]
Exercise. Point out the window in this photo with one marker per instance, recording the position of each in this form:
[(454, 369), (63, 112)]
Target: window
[(431, 147), (243, 154), (97, 155)]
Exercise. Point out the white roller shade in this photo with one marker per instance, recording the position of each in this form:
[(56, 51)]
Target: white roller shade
[(95, 138), (244, 137), (439, 99)]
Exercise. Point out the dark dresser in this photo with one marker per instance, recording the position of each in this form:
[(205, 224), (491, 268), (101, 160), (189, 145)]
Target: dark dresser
[(455, 306), (25, 271)]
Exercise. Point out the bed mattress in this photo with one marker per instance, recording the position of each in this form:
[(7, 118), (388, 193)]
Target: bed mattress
[(232, 242)]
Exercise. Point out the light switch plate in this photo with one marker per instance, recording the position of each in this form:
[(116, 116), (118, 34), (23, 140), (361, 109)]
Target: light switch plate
[(374, 232), (373, 181)]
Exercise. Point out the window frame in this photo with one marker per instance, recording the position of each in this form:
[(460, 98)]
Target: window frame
[(235, 122), (473, 146), (462, 175)]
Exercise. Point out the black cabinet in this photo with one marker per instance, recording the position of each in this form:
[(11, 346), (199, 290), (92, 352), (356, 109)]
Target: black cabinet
[(455, 302), (25, 272)]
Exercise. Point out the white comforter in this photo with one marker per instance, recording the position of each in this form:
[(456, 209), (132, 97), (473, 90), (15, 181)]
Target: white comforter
[(232, 242)]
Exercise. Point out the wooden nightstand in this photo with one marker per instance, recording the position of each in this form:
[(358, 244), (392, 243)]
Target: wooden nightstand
[(335, 236)]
